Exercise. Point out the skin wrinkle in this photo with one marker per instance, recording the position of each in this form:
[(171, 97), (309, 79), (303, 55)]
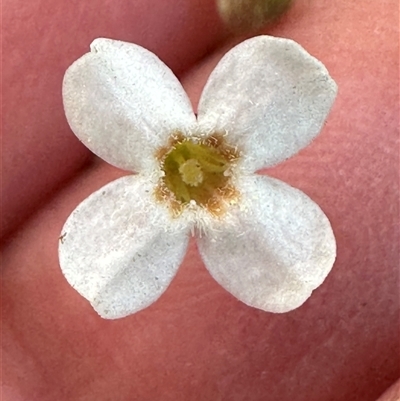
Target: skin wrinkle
[(341, 345)]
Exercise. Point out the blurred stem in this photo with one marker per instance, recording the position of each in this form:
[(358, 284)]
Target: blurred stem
[(247, 15)]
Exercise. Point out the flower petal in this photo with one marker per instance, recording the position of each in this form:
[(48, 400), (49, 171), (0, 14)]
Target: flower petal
[(271, 98), (120, 249), (274, 249), (123, 102)]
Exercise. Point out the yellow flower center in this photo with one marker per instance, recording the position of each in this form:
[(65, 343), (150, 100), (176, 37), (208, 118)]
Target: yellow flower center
[(196, 171)]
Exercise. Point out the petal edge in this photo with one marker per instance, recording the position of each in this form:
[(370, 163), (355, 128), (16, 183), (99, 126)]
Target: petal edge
[(119, 249), (274, 249), (123, 103), (270, 96)]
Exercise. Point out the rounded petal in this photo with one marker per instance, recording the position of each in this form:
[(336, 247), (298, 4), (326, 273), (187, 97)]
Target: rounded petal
[(119, 249), (270, 97), (273, 249), (123, 103)]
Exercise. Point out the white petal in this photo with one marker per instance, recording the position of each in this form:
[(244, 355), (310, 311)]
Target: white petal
[(119, 249), (273, 250), (270, 96), (123, 102)]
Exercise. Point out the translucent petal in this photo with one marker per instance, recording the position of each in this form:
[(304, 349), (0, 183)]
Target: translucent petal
[(123, 102), (120, 249), (274, 248), (270, 96)]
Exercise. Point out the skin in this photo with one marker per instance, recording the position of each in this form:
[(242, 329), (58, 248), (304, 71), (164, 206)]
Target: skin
[(198, 342)]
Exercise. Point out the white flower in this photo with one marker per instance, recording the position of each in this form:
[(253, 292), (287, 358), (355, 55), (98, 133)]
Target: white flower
[(265, 242)]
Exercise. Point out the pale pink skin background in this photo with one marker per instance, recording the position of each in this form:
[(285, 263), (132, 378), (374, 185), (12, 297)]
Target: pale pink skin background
[(198, 342)]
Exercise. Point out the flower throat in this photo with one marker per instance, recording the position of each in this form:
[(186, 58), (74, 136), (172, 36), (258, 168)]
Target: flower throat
[(197, 171)]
